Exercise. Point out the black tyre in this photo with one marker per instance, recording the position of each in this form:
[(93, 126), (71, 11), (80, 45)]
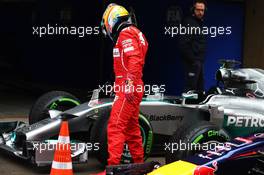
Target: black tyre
[(189, 136), (99, 135), (58, 100)]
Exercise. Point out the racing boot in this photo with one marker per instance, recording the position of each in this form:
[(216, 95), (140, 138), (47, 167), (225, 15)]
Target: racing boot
[(132, 169)]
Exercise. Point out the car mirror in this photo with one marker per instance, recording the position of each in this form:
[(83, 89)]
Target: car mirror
[(185, 96), (190, 96)]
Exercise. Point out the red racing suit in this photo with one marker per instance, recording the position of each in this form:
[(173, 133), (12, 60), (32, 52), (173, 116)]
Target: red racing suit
[(123, 126)]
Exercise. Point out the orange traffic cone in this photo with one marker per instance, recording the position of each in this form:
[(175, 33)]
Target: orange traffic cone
[(62, 163)]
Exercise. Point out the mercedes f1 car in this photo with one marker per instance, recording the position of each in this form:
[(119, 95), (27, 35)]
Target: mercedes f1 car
[(164, 120), (247, 82)]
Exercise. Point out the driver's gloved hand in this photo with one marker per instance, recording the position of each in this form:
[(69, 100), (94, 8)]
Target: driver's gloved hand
[(130, 88), (129, 93)]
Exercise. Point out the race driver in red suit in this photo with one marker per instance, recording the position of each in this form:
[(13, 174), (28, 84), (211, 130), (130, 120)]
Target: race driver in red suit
[(129, 57)]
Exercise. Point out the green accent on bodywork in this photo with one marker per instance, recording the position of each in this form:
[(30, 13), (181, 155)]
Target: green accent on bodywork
[(198, 139), (55, 104), (206, 135), (69, 99), (212, 133), (143, 135), (145, 120), (149, 142), (151, 100), (13, 136)]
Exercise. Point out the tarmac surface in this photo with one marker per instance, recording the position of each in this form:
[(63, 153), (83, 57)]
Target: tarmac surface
[(16, 106), (13, 166)]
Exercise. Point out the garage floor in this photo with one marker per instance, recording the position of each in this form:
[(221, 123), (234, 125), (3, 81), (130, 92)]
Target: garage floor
[(15, 105), (12, 166)]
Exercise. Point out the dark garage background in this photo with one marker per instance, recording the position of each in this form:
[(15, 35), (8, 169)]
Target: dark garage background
[(81, 64)]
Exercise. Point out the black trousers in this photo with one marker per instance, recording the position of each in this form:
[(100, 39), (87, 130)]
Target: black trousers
[(194, 76)]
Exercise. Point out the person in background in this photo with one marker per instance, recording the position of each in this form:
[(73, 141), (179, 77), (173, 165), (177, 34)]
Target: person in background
[(193, 47)]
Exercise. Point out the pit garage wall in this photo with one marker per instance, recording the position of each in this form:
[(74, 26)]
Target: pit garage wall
[(93, 55), (254, 34), (84, 63), (163, 64), (224, 47)]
